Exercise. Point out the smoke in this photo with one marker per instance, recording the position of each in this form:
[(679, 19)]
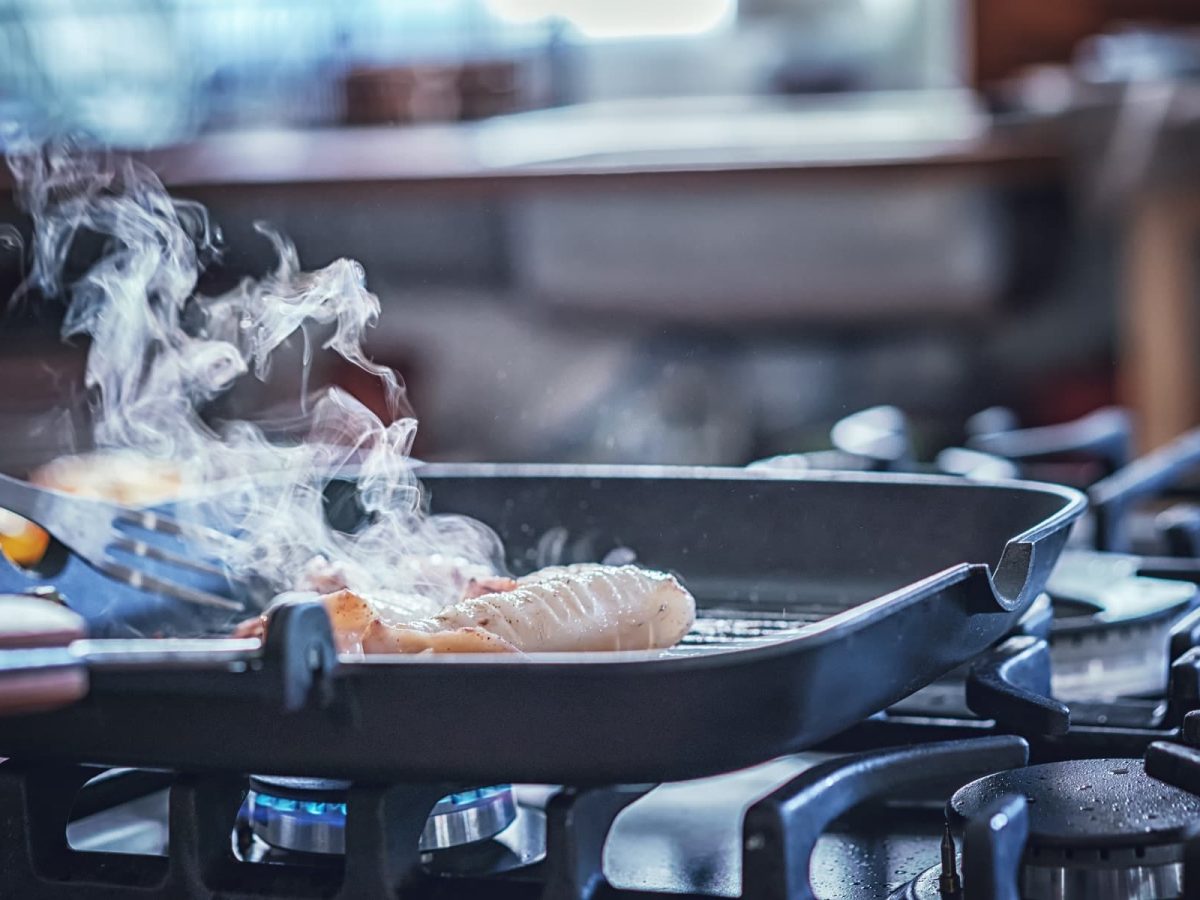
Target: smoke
[(160, 352)]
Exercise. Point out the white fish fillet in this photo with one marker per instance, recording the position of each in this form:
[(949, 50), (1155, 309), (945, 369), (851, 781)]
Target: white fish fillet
[(560, 609)]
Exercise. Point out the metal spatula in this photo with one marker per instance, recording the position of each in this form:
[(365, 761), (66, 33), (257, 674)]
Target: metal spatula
[(115, 539)]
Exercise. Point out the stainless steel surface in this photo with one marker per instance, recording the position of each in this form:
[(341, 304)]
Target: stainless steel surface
[(113, 652), (1122, 661), (1112, 626), (139, 826), (297, 831), (319, 825), (1111, 583), (453, 824), (1161, 882)]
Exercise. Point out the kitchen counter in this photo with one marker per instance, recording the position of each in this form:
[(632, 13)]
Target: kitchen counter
[(942, 130)]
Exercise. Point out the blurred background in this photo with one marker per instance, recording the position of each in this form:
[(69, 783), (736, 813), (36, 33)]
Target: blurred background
[(695, 231)]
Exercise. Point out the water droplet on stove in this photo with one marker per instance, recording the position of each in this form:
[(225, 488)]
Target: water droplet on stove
[(1120, 771)]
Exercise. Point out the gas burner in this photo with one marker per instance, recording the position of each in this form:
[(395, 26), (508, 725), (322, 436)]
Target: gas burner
[(1099, 829), (308, 815), (1112, 626)]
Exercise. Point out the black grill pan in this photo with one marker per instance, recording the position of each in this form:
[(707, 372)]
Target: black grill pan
[(824, 598)]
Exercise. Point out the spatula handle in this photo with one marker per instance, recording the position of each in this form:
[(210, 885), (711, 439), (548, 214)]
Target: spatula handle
[(37, 670)]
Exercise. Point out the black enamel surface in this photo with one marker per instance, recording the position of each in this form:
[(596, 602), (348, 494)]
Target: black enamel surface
[(1088, 803), (914, 575)]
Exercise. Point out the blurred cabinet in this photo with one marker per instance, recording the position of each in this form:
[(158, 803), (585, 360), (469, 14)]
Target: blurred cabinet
[(1007, 35), (1160, 328)]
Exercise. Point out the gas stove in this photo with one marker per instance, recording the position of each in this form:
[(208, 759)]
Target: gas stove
[(959, 816), (1061, 762), (932, 798)]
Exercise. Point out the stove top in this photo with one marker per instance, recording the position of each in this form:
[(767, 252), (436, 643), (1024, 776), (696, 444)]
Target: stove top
[(858, 824), (1062, 762), (908, 805)]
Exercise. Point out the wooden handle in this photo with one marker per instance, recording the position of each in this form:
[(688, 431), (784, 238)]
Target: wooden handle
[(33, 622), (37, 672)]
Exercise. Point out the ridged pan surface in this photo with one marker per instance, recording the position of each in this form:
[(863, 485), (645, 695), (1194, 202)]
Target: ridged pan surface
[(822, 599)]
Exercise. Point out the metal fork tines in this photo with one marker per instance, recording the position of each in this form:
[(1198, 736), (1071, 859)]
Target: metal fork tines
[(106, 536)]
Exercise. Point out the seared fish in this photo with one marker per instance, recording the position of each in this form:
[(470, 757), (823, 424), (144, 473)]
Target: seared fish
[(560, 609)]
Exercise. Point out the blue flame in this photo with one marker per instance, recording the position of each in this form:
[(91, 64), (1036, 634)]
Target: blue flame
[(266, 807)]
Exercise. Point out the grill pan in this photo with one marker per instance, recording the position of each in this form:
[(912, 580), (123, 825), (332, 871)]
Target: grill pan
[(823, 598)]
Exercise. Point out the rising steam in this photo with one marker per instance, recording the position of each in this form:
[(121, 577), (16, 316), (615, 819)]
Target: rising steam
[(160, 351)]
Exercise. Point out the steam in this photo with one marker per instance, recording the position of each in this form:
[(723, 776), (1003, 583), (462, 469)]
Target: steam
[(160, 352)]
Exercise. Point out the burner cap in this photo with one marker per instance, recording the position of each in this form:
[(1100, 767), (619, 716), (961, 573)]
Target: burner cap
[(1095, 826), (1088, 803), (309, 814)]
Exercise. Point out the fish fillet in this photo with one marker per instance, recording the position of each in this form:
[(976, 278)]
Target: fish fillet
[(560, 609)]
